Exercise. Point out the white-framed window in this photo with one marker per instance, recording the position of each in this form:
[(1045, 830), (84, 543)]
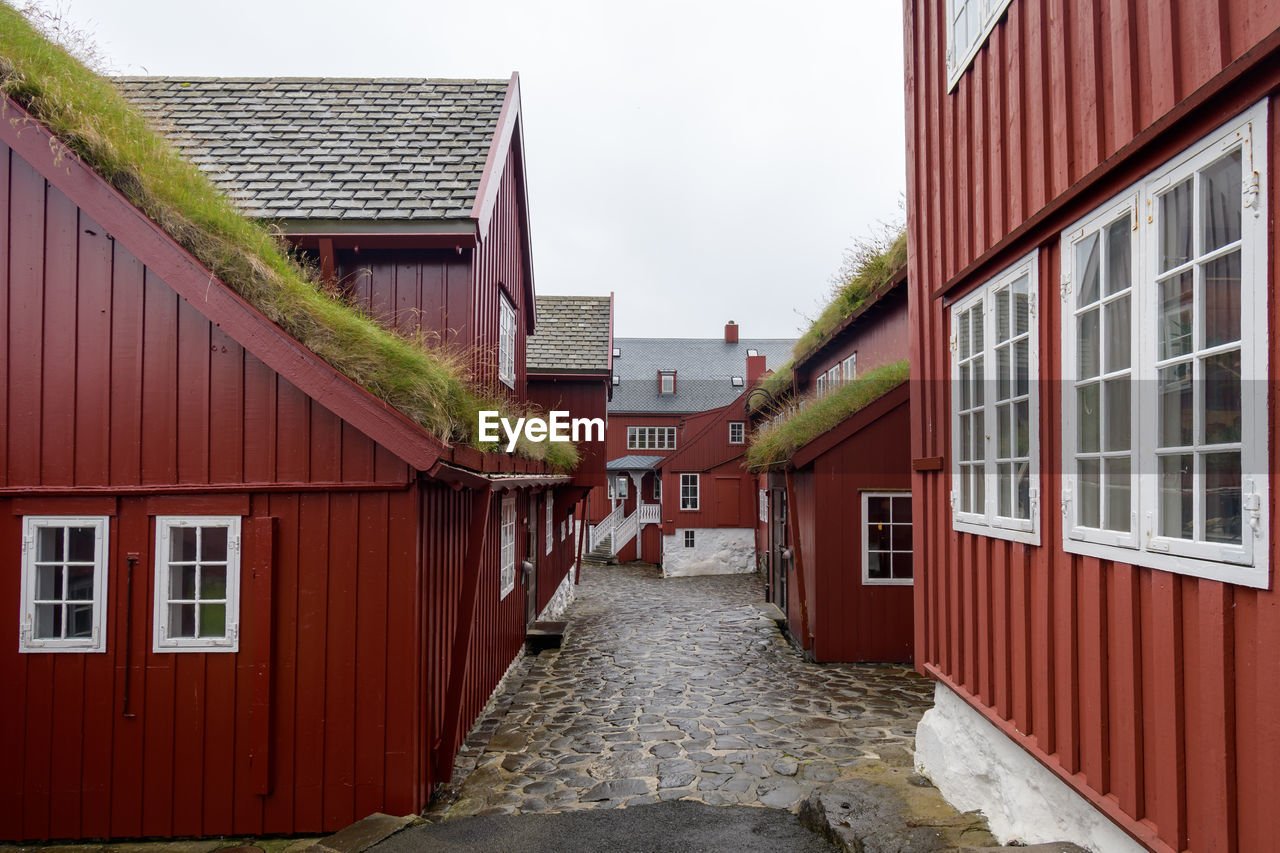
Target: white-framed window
[(737, 432), (689, 539), (507, 564), (506, 341), (834, 377), (849, 367), (64, 584), (551, 505), (657, 487), (651, 438), (666, 382), (621, 489), (689, 491), (764, 505), (197, 584), (968, 23), (995, 406), (1165, 392), (820, 384), (886, 539)]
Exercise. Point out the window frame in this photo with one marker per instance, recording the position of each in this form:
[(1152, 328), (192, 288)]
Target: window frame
[(867, 580), (96, 642), (657, 488), (690, 503), (650, 440), (849, 367), (507, 546), (551, 527), (690, 539), (663, 375), (161, 642), (506, 341), (990, 12), (989, 522), (742, 432), (1246, 564)]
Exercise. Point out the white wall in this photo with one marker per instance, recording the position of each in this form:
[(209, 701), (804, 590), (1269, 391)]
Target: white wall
[(716, 551)]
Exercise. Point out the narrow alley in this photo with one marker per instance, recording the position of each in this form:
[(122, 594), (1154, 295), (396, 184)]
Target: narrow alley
[(678, 689)]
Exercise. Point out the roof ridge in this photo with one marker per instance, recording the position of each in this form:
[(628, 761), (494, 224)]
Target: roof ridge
[(172, 78)]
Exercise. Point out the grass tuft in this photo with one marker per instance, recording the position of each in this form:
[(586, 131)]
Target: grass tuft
[(866, 269), (93, 120), (777, 441)]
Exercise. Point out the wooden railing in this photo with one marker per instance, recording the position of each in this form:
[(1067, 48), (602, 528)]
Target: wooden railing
[(605, 528), (626, 531), (650, 514)]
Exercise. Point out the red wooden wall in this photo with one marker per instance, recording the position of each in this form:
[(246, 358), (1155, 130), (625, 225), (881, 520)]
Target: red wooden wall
[(585, 398), (879, 337), (413, 290), (1150, 693)]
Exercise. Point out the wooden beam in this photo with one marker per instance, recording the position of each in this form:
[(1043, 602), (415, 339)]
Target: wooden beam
[(465, 617)]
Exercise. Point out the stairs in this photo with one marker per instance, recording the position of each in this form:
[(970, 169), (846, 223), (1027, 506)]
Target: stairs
[(602, 554)]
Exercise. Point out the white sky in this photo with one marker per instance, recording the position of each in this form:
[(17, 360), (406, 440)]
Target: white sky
[(705, 161)]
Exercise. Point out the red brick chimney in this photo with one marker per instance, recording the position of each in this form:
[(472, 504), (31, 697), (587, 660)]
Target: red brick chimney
[(755, 369), (731, 332)]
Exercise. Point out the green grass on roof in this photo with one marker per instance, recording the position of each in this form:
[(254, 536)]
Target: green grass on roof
[(866, 270), (778, 441), (89, 115)]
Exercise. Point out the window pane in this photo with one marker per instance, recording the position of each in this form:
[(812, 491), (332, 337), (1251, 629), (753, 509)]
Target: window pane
[(48, 583), (1002, 315), (979, 335), (966, 391), (1022, 367), (182, 583), (1089, 343), (80, 583), (48, 624), (1117, 486), (979, 488), (80, 544), (1175, 414), (1220, 205), (182, 544), (1119, 261), (979, 437), (1117, 431), (878, 537), (902, 565), (80, 620), (1004, 430), (1223, 511), (213, 620), (902, 537), (1176, 484), (963, 335), (1175, 226), (1022, 488), (1021, 307), (1119, 329), (1004, 489), (1004, 373), (979, 382), (1175, 315), (877, 565), (966, 437), (1022, 429), (877, 509), (1088, 265), (1222, 398), (213, 543), (1222, 300), (1090, 493), (182, 620), (48, 544), (213, 580), (966, 491), (902, 508)]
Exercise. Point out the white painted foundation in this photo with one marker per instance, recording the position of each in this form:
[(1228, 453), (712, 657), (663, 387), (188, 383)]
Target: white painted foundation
[(716, 551), (560, 601), (977, 766)]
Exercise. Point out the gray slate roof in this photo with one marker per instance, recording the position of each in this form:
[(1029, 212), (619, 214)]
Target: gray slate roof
[(633, 462), (704, 371), (571, 335), (330, 148)]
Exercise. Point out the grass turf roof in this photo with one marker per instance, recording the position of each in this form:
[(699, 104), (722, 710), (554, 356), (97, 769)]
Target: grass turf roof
[(89, 115), (778, 441), (871, 272)]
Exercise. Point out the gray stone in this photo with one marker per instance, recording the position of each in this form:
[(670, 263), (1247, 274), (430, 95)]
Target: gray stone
[(784, 796), (676, 780), (614, 789), (785, 767)]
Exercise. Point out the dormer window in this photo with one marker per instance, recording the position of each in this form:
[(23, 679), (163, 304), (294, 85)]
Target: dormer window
[(666, 382)]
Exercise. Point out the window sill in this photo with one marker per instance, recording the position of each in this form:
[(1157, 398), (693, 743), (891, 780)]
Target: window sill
[(1256, 576), (1026, 537)]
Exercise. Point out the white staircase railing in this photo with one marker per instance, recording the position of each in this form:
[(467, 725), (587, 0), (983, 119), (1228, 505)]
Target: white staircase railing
[(650, 514), (626, 531), (605, 528)]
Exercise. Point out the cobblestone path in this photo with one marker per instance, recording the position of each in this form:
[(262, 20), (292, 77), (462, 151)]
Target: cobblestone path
[(678, 688)]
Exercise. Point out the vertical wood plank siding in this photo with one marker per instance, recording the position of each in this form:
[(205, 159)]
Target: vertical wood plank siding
[(500, 265), (1150, 693)]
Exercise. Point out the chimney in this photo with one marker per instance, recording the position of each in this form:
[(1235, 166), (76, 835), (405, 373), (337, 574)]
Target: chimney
[(731, 332), (755, 369)]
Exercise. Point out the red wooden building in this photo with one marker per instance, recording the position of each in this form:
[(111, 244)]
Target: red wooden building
[(834, 523), (1093, 276), (254, 598), (665, 392)]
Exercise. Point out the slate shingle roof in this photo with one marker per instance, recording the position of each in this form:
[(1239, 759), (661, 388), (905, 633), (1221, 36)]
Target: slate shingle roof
[(704, 367), (633, 462), (331, 148), (571, 335)]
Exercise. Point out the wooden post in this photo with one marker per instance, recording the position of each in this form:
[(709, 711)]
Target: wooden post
[(794, 535), (451, 719)]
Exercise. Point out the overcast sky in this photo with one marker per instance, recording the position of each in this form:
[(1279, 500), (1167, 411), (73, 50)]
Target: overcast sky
[(705, 161)]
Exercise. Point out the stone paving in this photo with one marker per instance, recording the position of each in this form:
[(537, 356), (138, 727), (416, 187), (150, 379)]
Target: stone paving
[(678, 689)]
